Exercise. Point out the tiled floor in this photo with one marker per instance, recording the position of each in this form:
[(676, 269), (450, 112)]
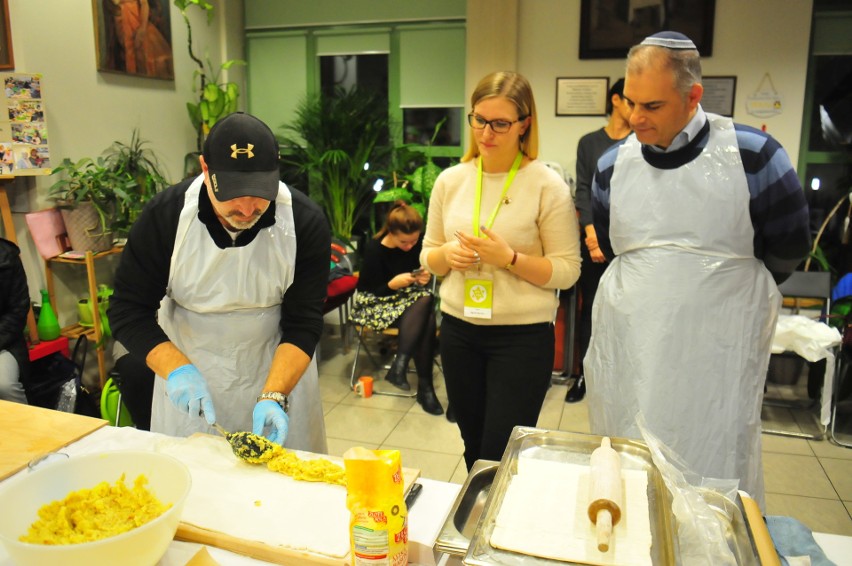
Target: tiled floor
[(806, 479)]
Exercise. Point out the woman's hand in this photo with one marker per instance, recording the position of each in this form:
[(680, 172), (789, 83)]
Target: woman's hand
[(491, 249), (458, 255), (423, 277), (401, 281)]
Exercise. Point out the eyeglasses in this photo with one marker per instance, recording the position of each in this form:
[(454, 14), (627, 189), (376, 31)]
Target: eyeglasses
[(497, 126)]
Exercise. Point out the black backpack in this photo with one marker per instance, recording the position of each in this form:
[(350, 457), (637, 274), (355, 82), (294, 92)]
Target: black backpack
[(56, 383)]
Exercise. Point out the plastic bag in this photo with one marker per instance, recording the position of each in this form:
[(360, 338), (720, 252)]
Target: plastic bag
[(700, 533), (809, 338), (378, 527)]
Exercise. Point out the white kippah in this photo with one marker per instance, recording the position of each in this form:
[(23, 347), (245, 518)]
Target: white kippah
[(669, 40)]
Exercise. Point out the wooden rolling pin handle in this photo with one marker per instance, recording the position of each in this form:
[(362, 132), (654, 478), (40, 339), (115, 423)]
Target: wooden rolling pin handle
[(603, 528), (605, 492)]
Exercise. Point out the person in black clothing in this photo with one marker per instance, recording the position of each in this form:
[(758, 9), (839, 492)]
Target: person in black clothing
[(220, 290), (14, 306), (392, 293), (595, 260)]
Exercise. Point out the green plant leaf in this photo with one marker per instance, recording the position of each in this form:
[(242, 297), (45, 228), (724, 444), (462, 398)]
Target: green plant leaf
[(393, 195), (211, 92)]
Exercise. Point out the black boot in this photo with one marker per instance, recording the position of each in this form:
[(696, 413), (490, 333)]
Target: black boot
[(577, 391), (425, 386), (398, 369), (427, 398), (451, 414)]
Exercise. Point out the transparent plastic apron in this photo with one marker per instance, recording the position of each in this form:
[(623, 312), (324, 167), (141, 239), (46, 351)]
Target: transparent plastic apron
[(684, 316), (222, 309)]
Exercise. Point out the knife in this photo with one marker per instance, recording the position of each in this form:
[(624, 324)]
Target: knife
[(413, 494)]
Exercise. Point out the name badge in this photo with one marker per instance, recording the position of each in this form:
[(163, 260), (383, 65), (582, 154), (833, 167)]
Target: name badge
[(478, 294)]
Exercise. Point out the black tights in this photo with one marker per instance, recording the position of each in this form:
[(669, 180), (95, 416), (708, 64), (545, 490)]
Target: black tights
[(417, 334)]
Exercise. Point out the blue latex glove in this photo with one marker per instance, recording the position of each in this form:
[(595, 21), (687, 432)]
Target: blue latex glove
[(188, 391), (269, 415)]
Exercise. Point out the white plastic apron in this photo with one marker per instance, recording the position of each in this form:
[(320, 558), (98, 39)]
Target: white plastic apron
[(684, 315), (222, 309)]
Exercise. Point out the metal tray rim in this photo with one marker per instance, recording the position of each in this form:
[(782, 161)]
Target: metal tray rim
[(507, 468)]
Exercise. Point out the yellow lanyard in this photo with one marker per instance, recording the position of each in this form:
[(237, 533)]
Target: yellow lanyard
[(477, 205)]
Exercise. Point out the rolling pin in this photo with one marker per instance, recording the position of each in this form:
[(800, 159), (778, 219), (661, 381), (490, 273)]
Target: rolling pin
[(604, 492)]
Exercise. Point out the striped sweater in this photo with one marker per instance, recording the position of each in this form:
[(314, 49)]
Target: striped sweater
[(777, 206)]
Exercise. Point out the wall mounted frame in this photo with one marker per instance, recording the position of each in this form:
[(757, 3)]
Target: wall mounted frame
[(609, 29), (7, 58), (581, 96)]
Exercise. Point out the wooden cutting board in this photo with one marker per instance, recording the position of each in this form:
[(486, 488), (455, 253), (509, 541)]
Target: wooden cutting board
[(28, 432), (318, 506)]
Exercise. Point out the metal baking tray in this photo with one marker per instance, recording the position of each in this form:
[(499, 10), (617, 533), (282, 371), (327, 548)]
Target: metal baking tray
[(463, 519), (573, 448), (470, 523)]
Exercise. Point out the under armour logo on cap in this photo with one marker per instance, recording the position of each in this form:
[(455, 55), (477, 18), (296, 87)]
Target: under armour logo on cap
[(235, 151), (241, 154), (669, 40)]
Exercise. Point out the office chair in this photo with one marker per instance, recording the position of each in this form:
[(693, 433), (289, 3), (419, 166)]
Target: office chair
[(341, 288), (804, 289)]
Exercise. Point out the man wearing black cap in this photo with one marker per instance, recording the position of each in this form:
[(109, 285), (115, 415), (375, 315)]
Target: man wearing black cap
[(705, 217), (220, 290)]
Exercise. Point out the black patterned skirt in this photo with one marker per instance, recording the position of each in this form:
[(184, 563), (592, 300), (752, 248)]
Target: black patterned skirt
[(380, 313)]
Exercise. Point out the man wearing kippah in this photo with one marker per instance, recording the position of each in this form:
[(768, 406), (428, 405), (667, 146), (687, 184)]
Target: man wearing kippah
[(220, 291), (704, 217)]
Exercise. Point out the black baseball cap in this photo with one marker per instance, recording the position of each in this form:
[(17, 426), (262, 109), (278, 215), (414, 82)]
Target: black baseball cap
[(241, 154)]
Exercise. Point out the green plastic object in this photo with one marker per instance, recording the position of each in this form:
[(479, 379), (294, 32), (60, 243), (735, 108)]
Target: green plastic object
[(48, 325), (109, 404)]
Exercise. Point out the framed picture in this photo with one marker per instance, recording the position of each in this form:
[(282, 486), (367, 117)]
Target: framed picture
[(7, 59), (581, 96), (608, 28), (127, 44), (719, 95)]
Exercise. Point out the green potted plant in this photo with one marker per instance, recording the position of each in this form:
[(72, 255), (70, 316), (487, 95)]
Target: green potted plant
[(139, 162), (88, 195), (341, 141), (216, 99), (416, 187)]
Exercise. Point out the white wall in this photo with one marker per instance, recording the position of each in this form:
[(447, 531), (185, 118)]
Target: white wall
[(87, 110), (750, 39)]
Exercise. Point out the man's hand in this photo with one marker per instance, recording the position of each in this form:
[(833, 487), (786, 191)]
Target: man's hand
[(591, 242), (269, 415), (187, 390)]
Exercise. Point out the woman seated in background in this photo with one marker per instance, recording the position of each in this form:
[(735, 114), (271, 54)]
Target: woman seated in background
[(392, 293), (14, 307)]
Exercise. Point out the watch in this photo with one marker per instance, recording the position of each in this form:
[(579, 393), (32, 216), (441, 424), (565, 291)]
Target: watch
[(276, 396)]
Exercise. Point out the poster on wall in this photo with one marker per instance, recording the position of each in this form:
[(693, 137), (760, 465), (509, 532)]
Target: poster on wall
[(23, 130)]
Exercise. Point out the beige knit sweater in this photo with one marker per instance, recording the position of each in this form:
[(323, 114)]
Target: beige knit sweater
[(539, 221)]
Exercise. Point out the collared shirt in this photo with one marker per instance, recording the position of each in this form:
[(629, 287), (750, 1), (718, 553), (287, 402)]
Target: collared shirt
[(686, 134)]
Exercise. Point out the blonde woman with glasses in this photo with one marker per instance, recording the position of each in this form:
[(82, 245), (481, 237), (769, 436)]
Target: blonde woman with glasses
[(503, 231)]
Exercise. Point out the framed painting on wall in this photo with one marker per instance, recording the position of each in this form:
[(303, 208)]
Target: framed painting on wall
[(134, 37), (7, 60), (609, 28)]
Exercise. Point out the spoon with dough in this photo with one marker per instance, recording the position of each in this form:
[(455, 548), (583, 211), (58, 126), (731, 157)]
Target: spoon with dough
[(248, 446)]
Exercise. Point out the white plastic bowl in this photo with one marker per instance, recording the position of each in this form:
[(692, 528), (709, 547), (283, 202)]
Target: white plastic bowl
[(20, 499)]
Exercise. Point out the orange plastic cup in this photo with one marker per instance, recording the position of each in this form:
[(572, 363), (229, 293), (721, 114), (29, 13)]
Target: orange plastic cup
[(364, 387)]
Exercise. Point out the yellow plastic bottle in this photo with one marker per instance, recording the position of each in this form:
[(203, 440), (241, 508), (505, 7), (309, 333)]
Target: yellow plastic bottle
[(378, 525)]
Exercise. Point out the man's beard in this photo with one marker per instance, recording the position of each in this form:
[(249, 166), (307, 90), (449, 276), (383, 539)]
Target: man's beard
[(244, 224)]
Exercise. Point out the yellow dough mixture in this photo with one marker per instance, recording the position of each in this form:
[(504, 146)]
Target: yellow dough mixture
[(256, 449), (92, 514)]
